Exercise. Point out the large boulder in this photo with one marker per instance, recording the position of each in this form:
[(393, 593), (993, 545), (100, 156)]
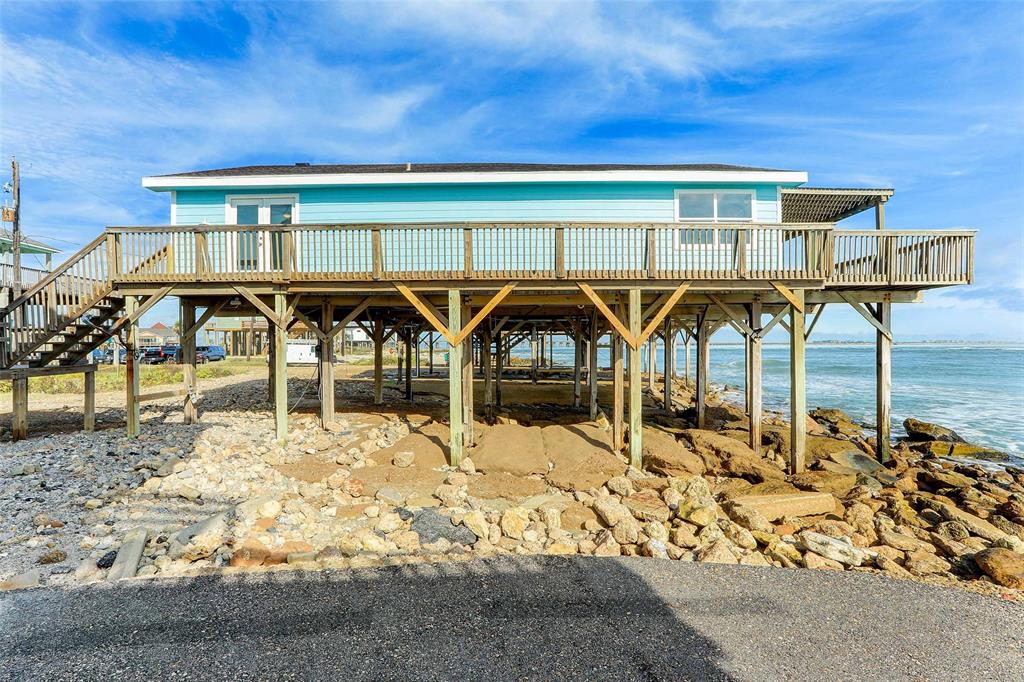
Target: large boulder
[(1004, 566), (728, 456), (664, 455), (919, 430), (511, 449), (837, 421), (824, 482), (818, 446), (774, 507), (939, 448)]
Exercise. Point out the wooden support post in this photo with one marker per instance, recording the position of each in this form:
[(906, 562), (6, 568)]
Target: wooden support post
[(378, 360), (188, 360), (635, 398), (667, 365), (326, 365), (499, 357), (533, 354), (416, 349), (430, 352), (756, 393), (618, 407), (280, 368), (19, 420), (577, 371), (883, 380), (408, 365), (592, 365), (89, 420), (797, 385), (400, 352), (650, 365), (687, 369), (455, 407), (485, 348), (271, 368), (131, 368), (703, 365), (468, 434)]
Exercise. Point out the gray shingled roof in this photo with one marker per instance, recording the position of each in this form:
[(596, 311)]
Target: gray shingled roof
[(325, 169), (8, 236)]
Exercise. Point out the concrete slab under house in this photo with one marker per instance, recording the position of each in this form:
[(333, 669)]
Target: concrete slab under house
[(481, 258)]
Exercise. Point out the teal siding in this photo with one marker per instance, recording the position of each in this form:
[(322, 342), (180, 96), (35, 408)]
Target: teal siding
[(499, 249), (577, 202)]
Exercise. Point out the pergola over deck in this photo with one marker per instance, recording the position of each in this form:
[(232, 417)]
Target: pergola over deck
[(485, 285)]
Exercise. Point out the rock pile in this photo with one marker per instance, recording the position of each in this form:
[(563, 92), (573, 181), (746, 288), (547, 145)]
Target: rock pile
[(375, 488)]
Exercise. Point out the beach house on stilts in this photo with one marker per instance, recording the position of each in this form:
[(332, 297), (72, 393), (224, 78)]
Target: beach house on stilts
[(488, 256)]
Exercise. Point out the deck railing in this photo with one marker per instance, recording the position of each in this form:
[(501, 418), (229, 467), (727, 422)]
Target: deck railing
[(29, 276), (471, 251), (902, 257)]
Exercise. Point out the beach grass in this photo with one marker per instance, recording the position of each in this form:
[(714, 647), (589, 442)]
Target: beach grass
[(110, 378)]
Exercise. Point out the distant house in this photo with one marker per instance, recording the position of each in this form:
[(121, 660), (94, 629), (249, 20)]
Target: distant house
[(31, 251), (157, 335)]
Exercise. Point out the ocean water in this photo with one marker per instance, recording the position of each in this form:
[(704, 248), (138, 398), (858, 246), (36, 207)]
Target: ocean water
[(975, 389)]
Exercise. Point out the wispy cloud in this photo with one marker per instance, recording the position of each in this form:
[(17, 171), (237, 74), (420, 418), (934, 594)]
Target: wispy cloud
[(926, 97)]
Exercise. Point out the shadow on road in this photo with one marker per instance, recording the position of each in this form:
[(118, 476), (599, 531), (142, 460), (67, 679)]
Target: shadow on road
[(537, 618)]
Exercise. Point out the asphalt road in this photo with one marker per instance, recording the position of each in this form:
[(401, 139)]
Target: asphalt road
[(531, 618)]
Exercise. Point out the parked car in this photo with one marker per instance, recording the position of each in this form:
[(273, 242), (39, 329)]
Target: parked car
[(105, 356), (213, 353), (202, 356), (158, 355)]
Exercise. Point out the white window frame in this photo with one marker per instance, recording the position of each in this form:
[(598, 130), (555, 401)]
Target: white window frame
[(714, 193), (231, 214), (713, 219), (263, 202)]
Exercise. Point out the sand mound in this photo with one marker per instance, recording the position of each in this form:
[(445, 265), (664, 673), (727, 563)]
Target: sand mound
[(511, 449), (582, 456)]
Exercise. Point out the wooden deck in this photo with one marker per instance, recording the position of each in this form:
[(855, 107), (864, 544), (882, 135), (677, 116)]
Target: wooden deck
[(485, 288)]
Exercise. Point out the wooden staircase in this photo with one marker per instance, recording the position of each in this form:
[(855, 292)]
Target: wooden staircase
[(64, 316)]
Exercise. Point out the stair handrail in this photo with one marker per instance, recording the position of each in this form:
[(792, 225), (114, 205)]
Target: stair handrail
[(59, 270)]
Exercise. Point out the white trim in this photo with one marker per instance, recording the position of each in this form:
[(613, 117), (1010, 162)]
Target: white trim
[(307, 180), (174, 207), (714, 193), (230, 214)]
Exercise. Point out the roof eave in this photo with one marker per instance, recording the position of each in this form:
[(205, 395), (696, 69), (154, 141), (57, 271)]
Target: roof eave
[(166, 183)]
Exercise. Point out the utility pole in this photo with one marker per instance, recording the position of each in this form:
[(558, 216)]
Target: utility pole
[(16, 229)]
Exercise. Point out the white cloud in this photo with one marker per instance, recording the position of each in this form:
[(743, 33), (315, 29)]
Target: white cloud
[(107, 113)]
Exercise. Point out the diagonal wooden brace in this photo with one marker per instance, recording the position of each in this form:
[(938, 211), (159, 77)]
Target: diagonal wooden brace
[(140, 311), (310, 325), (616, 323), (209, 313), (484, 312), (859, 307), (737, 320), (356, 312), (666, 308), (434, 316), (788, 294), (267, 311)]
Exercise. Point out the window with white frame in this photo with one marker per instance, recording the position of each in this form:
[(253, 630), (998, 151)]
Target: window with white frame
[(714, 206), (710, 206)]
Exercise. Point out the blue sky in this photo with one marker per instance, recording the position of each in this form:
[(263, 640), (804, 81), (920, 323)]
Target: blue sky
[(924, 97)]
